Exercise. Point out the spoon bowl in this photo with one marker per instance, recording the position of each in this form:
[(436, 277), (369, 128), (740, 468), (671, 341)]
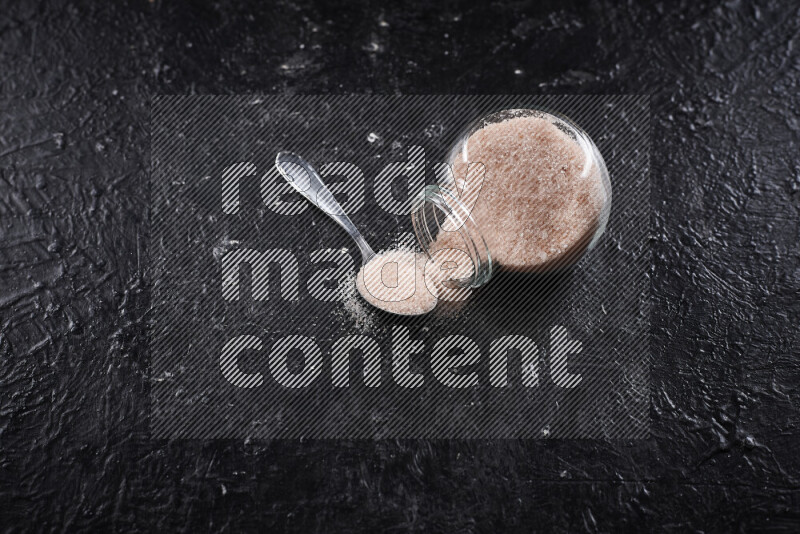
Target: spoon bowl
[(307, 181)]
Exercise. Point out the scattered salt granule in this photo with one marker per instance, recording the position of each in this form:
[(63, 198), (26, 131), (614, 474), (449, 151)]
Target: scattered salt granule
[(394, 281), (540, 201), (353, 306)]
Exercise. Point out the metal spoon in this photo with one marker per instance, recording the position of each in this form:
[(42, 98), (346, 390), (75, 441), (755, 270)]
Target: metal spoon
[(308, 183)]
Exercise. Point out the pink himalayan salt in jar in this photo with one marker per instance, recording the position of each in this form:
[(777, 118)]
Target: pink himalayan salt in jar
[(528, 191)]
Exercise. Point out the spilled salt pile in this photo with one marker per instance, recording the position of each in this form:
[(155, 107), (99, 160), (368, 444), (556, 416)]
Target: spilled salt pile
[(394, 281), (353, 307)]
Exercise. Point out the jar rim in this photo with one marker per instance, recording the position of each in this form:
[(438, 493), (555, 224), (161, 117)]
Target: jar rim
[(423, 218)]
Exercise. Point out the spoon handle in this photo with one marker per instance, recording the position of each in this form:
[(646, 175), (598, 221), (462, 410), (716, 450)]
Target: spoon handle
[(307, 181)]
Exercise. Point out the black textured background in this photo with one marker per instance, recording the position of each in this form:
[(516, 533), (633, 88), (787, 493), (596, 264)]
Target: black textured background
[(75, 83)]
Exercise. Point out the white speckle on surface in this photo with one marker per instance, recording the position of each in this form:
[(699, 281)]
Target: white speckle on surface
[(372, 137), (434, 130), (224, 246), (373, 46)]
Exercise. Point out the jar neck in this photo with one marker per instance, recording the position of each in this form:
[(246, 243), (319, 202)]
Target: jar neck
[(438, 209)]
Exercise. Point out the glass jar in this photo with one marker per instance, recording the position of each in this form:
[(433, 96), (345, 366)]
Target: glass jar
[(440, 208)]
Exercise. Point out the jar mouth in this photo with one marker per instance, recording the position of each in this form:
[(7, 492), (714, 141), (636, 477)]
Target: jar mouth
[(438, 209)]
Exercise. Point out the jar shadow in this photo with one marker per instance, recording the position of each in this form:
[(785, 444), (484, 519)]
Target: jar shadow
[(513, 295)]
